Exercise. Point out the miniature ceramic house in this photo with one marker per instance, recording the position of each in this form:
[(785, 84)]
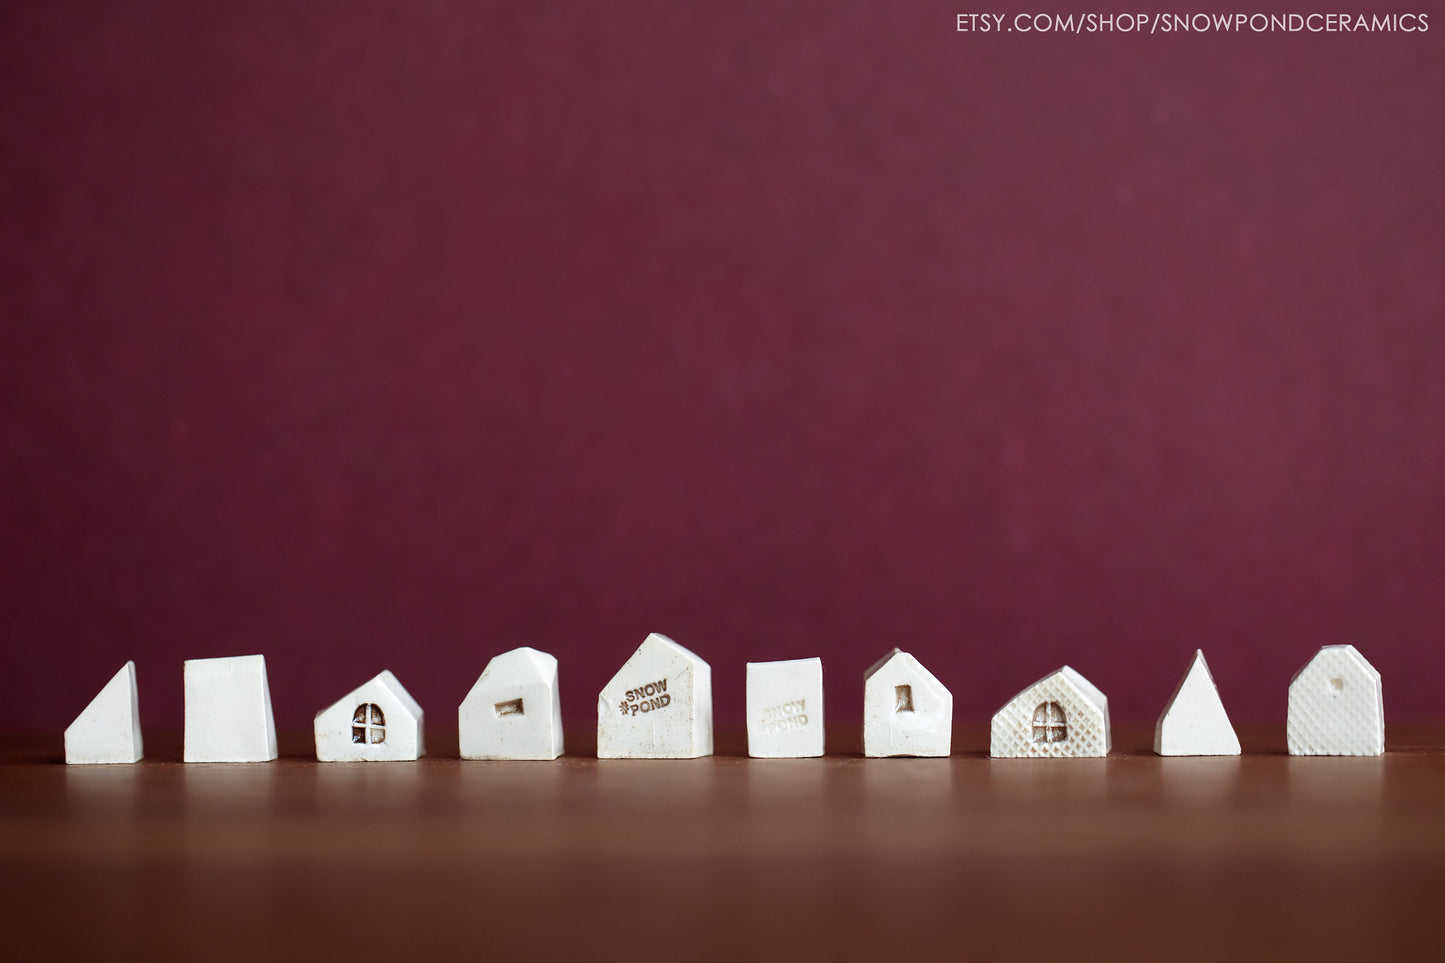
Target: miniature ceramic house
[(1194, 722), (1336, 706), (785, 709), (513, 710), (1061, 715), (228, 710), (376, 722), (906, 711), (109, 728), (657, 706)]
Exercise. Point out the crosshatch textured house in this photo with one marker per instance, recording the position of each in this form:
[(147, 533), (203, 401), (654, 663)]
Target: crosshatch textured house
[(906, 710), (657, 706), (513, 711), (1336, 706), (1061, 715), (378, 721)]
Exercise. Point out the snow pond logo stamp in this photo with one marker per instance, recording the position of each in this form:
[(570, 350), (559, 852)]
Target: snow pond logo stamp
[(646, 698), (788, 716)]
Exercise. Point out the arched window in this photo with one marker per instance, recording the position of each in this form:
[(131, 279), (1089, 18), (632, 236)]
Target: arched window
[(368, 725), (1050, 724)]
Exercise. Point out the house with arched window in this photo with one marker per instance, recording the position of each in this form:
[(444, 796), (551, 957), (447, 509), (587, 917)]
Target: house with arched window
[(1061, 715), (1336, 706), (378, 721)]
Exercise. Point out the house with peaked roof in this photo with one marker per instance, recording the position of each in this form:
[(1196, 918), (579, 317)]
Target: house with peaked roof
[(378, 721), (513, 710), (1336, 706), (1061, 715), (906, 710), (657, 706)]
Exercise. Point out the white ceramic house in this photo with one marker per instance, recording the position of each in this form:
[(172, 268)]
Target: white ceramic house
[(1061, 715), (1336, 706), (785, 709), (657, 706), (906, 710), (378, 721), (228, 710), (513, 710), (108, 731), (1194, 722)]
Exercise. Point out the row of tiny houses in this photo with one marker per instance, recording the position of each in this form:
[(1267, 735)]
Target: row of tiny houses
[(659, 706)]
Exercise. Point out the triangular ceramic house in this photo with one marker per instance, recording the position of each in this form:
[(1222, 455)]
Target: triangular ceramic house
[(228, 710), (657, 706), (1061, 715), (108, 731), (1336, 706), (906, 710), (378, 721), (513, 711), (1194, 722)]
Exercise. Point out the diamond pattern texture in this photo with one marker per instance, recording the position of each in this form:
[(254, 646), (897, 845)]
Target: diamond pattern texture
[(1336, 706), (1012, 734)]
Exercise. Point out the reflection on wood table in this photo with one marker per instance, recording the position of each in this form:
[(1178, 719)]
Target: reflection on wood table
[(1132, 856)]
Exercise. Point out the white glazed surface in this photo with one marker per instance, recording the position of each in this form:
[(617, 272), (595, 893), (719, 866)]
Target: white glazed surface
[(785, 709), (1194, 722), (925, 730), (1336, 706), (401, 714), (108, 730), (1086, 716), (489, 731), (657, 706), (228, 710)]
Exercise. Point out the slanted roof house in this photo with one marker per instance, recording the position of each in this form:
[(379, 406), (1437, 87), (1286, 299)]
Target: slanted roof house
[(513, 711)]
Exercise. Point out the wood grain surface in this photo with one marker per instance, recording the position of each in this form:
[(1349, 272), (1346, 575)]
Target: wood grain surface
[(1132, 857)]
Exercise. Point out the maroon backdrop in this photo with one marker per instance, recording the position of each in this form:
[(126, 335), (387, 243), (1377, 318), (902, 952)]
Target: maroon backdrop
[(396, 335)]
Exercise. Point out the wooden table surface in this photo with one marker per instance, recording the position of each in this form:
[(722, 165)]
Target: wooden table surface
[(1261, 856)]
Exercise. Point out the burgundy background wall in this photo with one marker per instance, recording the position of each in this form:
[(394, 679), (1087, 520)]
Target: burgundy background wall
[(393, 335)]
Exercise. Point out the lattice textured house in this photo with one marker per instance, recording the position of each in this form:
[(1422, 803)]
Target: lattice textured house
[(1061, 715), (1336, 706)]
